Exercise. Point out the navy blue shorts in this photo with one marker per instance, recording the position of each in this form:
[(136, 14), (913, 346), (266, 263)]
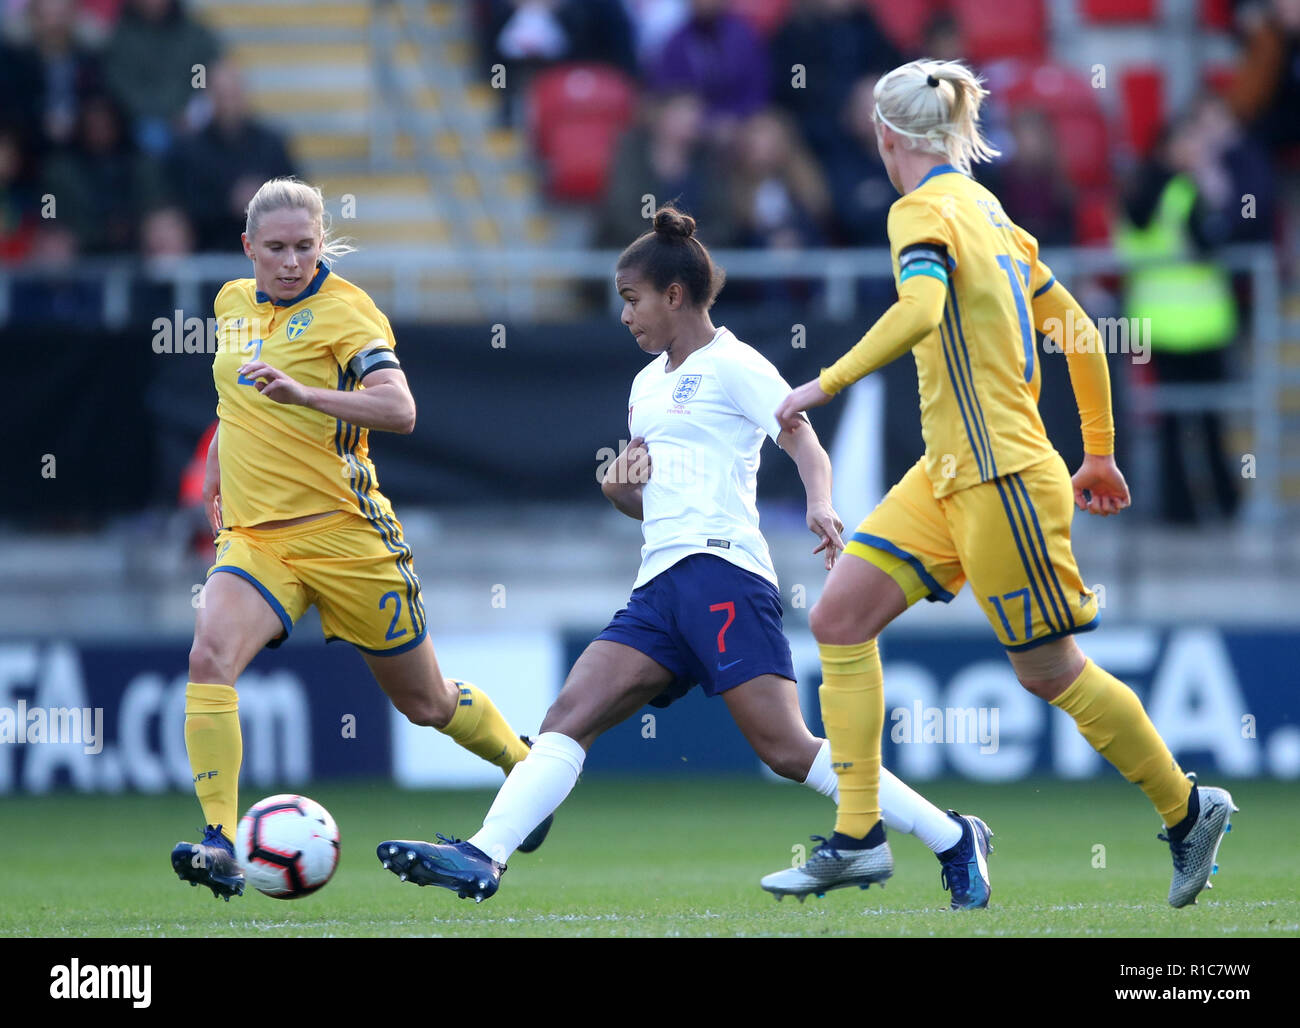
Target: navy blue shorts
[(707, 621)]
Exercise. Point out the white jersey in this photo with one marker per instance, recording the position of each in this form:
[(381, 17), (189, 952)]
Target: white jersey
[(704, 423)]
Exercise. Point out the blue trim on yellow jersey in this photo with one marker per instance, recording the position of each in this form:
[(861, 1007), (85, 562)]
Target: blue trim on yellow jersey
[(975, 397), (938, 169), (1056, 581), (1044, 287), (972, 413), (410, 644), (948, 348), (927, 579), (313, 287), (1088, 627), (1042, 561), (1024, 557), (1028, 339), (383, 524), (280, 612)]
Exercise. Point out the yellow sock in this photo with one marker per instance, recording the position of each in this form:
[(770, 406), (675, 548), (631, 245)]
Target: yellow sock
[(853, 710), (1110, 716), (216, 749), (480, 728)]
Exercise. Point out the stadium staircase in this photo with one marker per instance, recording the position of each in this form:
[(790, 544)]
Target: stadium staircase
[(383, 102)]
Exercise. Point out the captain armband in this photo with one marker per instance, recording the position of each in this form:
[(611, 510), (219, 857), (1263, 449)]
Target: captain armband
[(923, 259), (372, 360)]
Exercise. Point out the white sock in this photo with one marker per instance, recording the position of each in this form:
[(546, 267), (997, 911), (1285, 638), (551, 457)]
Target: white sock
[(822, 778), (906, 810), (537, 785), (903, 809)]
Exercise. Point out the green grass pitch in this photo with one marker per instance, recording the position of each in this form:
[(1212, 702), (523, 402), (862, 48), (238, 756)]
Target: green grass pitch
[(640, 858)]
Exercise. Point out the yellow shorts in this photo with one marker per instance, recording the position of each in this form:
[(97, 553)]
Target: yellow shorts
[(1010, 537), (357, 572)]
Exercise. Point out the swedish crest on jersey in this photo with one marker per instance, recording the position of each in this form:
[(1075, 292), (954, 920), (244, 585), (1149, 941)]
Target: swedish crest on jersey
[(687, 386), (298, 323)]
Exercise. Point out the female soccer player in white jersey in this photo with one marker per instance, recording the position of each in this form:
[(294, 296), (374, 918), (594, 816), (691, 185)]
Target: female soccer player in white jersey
[(305, 368), (990, 501), (705, 607)]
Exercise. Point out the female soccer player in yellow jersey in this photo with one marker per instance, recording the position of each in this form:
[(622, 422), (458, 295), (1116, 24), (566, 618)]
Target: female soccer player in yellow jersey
[(305, 367), (989, 502)]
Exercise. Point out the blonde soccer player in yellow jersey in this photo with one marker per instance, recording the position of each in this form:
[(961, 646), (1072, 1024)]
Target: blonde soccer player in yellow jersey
[(990, 501), (305, 368)]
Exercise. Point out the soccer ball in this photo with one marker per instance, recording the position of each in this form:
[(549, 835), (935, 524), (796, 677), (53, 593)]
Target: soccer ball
[(288, 846)]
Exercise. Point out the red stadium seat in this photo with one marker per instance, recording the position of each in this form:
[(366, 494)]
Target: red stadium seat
[(765, 15), (579, 164), (1119, 10), (578, 93), (1003, 28), (1144, 106), (904, 23), (576, 113)]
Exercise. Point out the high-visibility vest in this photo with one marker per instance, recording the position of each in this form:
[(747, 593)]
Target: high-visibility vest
[(1189, 302)]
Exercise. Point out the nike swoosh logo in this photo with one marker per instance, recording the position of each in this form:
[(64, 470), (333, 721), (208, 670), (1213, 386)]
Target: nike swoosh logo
[(723, 667)]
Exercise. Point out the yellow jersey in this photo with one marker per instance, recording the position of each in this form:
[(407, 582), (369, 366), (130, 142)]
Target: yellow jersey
[(978, 375), (281, 461)]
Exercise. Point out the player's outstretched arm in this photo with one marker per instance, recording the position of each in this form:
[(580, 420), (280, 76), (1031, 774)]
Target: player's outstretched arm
[(1099, 486), (916, 314), (626, 477), (806, 450), (384, 404)]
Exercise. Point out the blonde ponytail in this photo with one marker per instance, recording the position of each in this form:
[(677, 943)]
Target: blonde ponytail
[(279, 193), (935, 105)]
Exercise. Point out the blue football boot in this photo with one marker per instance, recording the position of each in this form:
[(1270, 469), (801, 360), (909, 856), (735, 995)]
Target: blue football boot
[(211, 862), (464, 869), (965, 872)]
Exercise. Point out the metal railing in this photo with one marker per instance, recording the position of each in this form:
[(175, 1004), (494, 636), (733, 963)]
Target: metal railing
[(506, 289)]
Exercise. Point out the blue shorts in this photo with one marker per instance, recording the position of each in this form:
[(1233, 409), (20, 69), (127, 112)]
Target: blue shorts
[(707, 621)]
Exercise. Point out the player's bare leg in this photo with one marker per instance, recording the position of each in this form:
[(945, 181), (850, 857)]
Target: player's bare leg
[(415, 684), (766, 710), (608, 684), (233, 623), (1111, 717)]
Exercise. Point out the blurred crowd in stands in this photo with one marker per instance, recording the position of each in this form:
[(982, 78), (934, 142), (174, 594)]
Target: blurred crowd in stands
[(125, 130), (123, 115), (757, 114)]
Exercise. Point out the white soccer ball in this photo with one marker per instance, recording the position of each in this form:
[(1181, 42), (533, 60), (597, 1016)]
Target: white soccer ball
[(287, 845)]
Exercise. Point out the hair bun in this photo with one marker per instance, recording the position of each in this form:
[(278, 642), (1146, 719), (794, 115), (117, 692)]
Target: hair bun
[(669, 221)]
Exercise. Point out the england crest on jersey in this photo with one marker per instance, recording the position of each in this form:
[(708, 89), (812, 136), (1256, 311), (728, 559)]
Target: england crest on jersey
[(687, 386), (298, 324)]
